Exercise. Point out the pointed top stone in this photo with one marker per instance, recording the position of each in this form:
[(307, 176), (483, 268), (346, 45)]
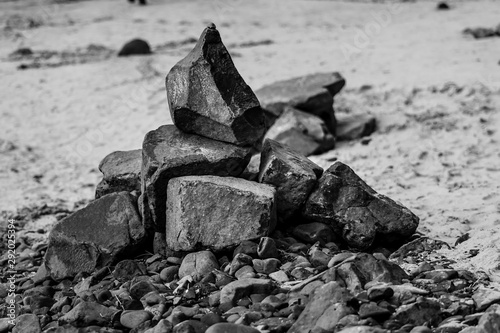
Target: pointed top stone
[(207, 96), (211, 25)]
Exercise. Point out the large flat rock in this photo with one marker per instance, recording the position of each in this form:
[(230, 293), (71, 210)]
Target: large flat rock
[(357, 212), (168, 152), (208, 97), (94, 236), (217, 212)]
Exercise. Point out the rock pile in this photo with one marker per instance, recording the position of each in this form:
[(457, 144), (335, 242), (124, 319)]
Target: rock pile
[(276, 249)]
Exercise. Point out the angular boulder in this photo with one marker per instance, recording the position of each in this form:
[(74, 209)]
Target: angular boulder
[(305, 133), (311, 93), (168, 152), (356, 212), (217, 212), (121, 172), (352, 127), (94, 236), (208, 97), (293, 175)]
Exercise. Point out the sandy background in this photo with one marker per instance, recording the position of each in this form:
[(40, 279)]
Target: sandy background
[(434, 91)]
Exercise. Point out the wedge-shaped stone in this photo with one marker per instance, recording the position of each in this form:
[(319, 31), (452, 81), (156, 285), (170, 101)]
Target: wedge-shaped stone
[(357, 212), (311, 93), (168, 152), (217, 212), (122, 172), (293, 175), (305, 133), (208, 97), (94, 236)]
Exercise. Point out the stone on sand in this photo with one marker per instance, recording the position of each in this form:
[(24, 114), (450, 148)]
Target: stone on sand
[(208, 97), (135, 47)]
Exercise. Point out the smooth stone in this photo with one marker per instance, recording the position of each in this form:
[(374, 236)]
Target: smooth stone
[(236, 290), (134, 318), (198, 264)]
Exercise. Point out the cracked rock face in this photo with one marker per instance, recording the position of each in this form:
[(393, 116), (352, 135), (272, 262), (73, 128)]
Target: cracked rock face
[(217, 212), (75, 246), (356, 212), (208, 97), (293, 175), (121, 172), (168, 152), (305, 133)]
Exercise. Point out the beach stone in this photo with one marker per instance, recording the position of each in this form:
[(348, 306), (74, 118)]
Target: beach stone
[(198, 264), (371, 309), (251, 172), (140, 288), (231, 328), (94, 236), (168, 153), (305, 133), (423, 311), (314, 232), (310, 93), (5, 325), (87, 314), (27, 323), (274, 324), (246, 247), (245, 272), (207, 96), (279, 276), (163, 326), (363, 329), (442, 5), (133, 318), (353, 127), (239, 261), (267, 248), (190, 326), (135, 47), (121, 172), (168, 274), (217, 212), (326, 307), (236, 290), (125, 270), (356, 212), (365, 268), (293, 175), (484, 297), (266, 266)]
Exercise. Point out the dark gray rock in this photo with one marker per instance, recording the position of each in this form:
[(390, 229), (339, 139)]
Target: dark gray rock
[(314, 232), (125, 270), (168, 152), (231, 328), (27, 323), (94, 236), (311, 93), (364, 268), (236, 290), (88, 314), (327, 306), (208, 97), (190, 326), (134, 318), (217, 212), (356, 212), (423, 311), (121, 171), (293, 175), (352, 127), (267, 248), (198, 265), (135, 47), (305, 133)]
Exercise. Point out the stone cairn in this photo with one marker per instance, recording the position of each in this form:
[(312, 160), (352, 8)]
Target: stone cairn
[(186, 236)]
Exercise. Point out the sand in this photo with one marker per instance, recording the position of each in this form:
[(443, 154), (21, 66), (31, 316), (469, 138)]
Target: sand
[(434, 91)]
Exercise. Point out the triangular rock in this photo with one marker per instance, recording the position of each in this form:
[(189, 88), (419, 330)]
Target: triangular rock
[(208, 97)]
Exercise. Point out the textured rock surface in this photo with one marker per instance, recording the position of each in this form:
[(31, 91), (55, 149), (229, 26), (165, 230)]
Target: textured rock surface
[(326, 308), (217, 212), (87, 314), (168, 152), (293, 175), (198, 265), (356, 211), (121, 172), (94, 236), (208, 97), (235, 290), (352, 127), (303, 132), (311, 93)]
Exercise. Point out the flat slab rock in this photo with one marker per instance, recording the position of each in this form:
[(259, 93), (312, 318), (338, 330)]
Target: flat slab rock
[(168, 152), (305, 133), (293, 175), (356, 212), (217, 212), (310, 93), (208, 97), (94, 236), (121, 172)]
